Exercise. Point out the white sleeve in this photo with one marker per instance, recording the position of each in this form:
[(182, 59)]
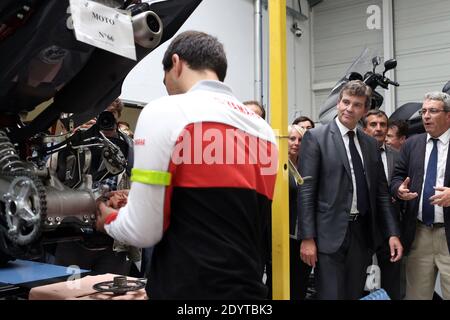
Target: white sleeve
[(140, 222)]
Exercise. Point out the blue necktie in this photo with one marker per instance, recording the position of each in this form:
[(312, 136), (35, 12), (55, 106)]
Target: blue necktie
[(362, 193), (430, 182)]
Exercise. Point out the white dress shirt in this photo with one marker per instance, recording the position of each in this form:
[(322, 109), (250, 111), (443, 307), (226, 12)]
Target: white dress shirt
[(344, 130), (384, 159)]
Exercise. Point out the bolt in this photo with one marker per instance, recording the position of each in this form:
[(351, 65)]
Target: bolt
[(120, 281)]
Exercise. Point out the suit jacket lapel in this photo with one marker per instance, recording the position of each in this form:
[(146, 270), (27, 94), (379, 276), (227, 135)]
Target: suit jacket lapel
[(340, 147), (447, 171), (365, 153), (417, 162), (447, 184)]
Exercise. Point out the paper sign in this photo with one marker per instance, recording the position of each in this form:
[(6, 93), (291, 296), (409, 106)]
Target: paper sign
[(103, 27)]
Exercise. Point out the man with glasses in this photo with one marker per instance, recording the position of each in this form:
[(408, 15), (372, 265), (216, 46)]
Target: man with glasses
[(422, 179)]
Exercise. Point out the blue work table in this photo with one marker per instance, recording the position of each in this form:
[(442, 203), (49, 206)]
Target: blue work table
[(24, 274)]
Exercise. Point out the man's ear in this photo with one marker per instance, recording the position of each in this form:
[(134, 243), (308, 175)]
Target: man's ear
[(177, 64)]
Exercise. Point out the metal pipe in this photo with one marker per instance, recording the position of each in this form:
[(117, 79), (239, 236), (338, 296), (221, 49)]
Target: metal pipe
[(69, 202), (258, 85), (389, 52)]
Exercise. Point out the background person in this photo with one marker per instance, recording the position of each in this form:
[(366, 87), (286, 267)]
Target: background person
[(256, 107), (299, 271), (304, 122), (392, 276), (397, 134)]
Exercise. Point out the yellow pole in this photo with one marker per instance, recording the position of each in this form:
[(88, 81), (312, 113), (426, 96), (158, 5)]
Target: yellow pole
[(278, 121)]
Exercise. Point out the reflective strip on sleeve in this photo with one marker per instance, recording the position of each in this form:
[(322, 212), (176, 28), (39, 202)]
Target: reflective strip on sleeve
[(160, 178)]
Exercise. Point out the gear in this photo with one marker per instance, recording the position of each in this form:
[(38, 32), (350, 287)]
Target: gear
[(25, 207), (119, 285)]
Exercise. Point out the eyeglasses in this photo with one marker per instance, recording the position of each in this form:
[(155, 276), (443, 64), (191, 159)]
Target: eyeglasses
[(431, 111)]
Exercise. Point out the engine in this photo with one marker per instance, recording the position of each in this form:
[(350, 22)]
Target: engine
[(49, 183), (42, 203)]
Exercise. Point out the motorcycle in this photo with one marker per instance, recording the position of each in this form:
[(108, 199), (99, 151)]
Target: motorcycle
[(42, 61), (372, 78)]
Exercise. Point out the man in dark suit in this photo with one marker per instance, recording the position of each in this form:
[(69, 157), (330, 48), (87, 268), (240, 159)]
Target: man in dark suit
[(421, 178), (375, 124), (397, 133), (345, 202)]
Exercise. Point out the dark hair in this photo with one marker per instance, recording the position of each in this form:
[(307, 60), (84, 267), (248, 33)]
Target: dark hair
[(402, 127), (256, 103), (357, 88), (374, 112), (303, 118), (201, 51)]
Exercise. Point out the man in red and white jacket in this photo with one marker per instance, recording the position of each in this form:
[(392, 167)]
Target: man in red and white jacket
[(203, 181)]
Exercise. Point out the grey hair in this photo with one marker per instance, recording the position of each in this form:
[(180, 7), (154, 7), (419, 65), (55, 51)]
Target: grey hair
[(439, 96)]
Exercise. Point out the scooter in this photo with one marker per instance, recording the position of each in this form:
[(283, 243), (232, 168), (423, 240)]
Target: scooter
[(372, 78)]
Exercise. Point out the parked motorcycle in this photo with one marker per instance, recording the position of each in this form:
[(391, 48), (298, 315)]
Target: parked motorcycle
[(372, 78)]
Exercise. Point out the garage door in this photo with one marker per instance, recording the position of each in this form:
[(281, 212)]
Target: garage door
[(422, 47), (340, 34)]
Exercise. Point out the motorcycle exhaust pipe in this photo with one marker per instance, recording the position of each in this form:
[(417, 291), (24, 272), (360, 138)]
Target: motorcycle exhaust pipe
[(147, 28), (70, 203)]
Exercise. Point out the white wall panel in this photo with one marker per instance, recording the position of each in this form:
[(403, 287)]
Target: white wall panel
[(422, 46), (340, 34), (232, 22)]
